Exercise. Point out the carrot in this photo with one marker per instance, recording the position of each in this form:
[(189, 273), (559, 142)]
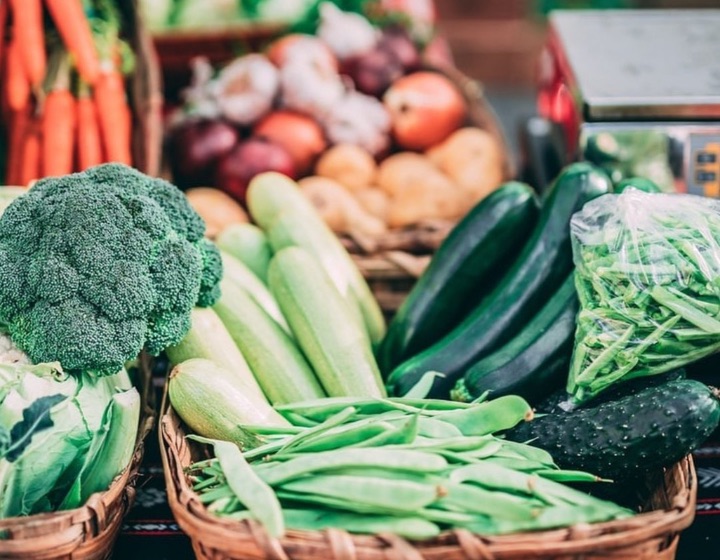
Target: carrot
[(18, 122), (17, 86), (75, 32), (3, 26), (89, 146), (29, 33), (30, 157), (58, 133), (113, 115)]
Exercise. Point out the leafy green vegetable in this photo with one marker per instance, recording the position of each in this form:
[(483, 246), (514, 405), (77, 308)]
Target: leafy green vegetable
[(43, 471), (35, 418), (98, 265), (648, 280)]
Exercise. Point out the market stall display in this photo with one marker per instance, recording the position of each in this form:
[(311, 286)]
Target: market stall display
[(313, 460)]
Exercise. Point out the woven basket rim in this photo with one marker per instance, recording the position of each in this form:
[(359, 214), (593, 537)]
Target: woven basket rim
[(211, 532), (92, 526)]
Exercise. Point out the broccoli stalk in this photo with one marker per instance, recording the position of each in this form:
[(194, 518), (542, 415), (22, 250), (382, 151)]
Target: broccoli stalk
[(98, 265)]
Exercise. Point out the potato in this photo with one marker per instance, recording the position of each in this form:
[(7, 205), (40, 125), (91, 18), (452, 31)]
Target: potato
[(340, 210), (435, 197), (374, 200), (404, 169), (472, 159), (350, 165), (418, 190), (217, 208)]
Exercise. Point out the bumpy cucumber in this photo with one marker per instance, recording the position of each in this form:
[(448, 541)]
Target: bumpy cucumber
[(545, 262), (561, 401), (468, 264), (632, 435)]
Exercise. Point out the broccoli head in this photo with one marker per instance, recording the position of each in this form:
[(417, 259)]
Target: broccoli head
[(98, 265)]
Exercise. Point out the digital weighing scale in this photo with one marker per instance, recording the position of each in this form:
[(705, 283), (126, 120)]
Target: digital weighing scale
[(638, 92)]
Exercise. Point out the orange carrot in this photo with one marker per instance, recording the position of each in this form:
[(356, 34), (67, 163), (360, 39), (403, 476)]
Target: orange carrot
[(89, 146), (75, 32), (17, 86), (18, 122), (3, 26), (29, 33), (113, 115), (30, 158), (58, 133)]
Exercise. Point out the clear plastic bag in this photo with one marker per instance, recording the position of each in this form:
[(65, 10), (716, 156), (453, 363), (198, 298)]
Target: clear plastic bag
[(648, 280)]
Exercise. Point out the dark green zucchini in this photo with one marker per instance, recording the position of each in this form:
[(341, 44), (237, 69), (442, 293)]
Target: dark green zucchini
[(630, 436), (535, 362), (465, 268), (545, 261)]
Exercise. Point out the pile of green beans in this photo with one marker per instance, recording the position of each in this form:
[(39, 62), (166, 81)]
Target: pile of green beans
[(648, 280), (413, 467)]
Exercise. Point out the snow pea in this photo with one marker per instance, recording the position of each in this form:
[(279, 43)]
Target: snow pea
[(489, 417)]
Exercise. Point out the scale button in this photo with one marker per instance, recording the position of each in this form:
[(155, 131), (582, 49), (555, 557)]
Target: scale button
[(706, 157), (706, 177)]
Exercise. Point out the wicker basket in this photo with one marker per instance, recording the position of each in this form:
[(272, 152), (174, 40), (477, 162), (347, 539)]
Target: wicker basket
[(653, 535), (144, 90), (89, 532)]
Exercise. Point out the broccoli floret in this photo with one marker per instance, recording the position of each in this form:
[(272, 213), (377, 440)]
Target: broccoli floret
[(98, 265)]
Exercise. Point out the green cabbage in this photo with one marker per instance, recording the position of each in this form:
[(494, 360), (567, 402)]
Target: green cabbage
[(52, 471)]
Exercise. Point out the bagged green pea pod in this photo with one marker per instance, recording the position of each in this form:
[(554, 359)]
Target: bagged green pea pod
[(648, 281)]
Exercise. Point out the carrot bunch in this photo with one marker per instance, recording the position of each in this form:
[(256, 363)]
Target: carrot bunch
[(63, 95)]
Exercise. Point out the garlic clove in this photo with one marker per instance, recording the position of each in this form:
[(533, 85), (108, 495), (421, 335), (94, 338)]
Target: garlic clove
[(346, 33), (358, 119), (245, 89), (309, 87)]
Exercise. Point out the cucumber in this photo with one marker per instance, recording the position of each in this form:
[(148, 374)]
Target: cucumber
[(248, 244), (279, 367), (629, 436), (545, 262), (561, 401), (464, 269), (289, 219), (533, 363), (326, 330)]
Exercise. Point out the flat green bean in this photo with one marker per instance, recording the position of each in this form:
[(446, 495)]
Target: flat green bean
[(437, 429), (687, 311), (219, 493), (489, 417), (317, 519), (336, 419), (391, 459), (468, 498), (249, 488), (404, 433), (404, 495)]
